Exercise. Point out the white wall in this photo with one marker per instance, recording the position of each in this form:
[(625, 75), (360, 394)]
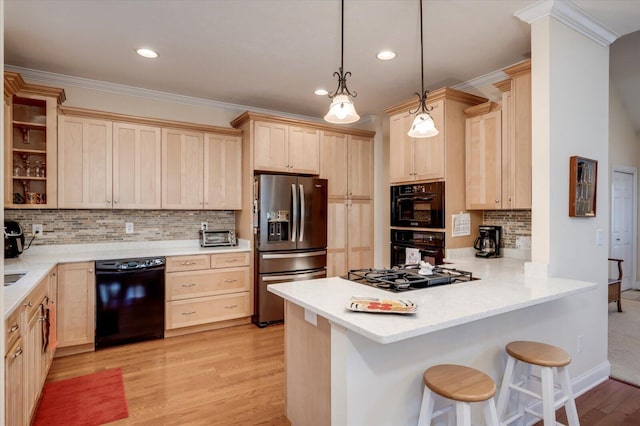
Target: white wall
[(570, 97)]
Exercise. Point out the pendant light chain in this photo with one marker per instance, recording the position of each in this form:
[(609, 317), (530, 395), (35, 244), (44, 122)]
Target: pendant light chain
[(341, 75), (422, 96)]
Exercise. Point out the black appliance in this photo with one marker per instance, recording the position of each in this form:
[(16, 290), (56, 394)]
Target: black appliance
[(290, 217), (419, 205), (488, 243), (430, 245), (13, 239), (129, 300), (399, 280)]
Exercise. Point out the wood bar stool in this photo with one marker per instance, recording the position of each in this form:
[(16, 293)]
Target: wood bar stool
[(548, 358), (462, 385)]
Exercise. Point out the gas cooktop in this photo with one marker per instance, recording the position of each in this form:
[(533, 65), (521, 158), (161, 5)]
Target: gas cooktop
[(399, 280)]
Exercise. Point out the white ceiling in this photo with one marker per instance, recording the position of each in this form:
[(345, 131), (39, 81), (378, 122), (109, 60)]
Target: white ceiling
[(272, 54)]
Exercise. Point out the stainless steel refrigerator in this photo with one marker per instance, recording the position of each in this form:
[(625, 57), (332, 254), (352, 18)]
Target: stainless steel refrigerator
[(290, 216)]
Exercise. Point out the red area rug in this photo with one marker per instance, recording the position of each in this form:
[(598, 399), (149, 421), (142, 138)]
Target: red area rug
[(91, 400)]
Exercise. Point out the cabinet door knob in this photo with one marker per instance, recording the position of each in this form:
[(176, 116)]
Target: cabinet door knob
[(497, 201), (91, 270), (115, 201)]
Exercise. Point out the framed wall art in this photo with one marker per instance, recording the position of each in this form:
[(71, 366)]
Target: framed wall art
[(583, 176)]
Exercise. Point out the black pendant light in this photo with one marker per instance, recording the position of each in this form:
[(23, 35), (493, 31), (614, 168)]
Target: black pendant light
[(423, 125), (342, 110)]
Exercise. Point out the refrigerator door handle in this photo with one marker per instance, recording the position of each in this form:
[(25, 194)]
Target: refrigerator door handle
[(294, 255), (301, 213), (298, 276), (293, 224)]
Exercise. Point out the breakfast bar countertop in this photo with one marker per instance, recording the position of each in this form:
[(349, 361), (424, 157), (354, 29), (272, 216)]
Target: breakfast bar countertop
[(502, 287), (38, 261)]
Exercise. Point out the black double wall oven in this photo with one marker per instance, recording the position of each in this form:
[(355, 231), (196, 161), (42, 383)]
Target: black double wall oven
[(419, 209)]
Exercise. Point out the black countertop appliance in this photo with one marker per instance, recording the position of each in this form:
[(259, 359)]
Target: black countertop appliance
[(13, 239), (488, 243)]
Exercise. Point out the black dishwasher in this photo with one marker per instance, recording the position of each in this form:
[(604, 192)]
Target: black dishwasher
[(129, 300)]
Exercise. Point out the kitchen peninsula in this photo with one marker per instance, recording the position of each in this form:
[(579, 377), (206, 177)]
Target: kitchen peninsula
[(353, 368)]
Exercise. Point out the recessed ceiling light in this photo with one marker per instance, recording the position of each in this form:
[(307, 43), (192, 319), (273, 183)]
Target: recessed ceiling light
[(386, 55), (321, 92), (147, 53)]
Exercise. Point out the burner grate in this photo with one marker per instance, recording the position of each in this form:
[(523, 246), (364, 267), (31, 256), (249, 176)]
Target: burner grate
[(404, 279)]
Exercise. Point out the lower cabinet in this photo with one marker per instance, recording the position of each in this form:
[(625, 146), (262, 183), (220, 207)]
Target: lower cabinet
[(76, 301), (28, 355), (350, 236), (205, 289)]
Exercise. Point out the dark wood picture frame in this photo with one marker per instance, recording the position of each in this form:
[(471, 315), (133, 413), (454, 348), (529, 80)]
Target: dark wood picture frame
[(583, 177)]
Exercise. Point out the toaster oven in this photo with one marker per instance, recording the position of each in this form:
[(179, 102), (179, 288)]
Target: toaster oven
[(217, 238)]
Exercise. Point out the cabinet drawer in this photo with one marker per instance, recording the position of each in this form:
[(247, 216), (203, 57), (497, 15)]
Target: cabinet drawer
[(229, 260), (185, 285), (188, 263), (185, 313), (12, 328)]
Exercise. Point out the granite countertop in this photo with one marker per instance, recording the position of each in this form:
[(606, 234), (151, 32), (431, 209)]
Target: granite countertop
[(502, 288), (38, 261)]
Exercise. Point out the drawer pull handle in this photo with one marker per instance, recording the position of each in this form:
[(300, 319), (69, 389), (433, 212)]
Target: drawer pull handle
[(17, 354), (29, 304), (231, 307), (188, 285), (187, 263), (14, 328), (232, 260), (42, 318), (230, 281), (188, 313)]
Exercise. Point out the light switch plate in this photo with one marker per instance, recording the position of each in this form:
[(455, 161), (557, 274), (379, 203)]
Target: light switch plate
[(128, 228), (599, 237)]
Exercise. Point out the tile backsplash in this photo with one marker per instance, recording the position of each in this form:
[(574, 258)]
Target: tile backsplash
[(515, 223), (105, 226)]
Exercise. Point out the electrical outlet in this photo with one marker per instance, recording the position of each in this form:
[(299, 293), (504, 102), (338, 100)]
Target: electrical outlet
[(37, 230), (128, 228), (204, 226), (580, 343)]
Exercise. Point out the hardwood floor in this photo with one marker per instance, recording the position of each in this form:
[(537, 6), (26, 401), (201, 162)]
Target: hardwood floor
[(235, 376)]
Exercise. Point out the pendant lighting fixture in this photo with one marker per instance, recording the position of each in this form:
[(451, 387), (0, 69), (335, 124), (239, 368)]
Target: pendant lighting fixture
[(342, 110), (423, 125)]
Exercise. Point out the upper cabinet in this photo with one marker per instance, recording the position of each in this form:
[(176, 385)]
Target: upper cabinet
[(30, 114), (412, 159), (115, 161), (283, 148), (498, 146)]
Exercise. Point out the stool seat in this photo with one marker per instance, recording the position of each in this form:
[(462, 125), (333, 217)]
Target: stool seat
[(459, 383), (537, 353)]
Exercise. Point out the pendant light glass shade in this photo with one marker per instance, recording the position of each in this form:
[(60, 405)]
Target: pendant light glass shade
[(423, 126), (342, 110)]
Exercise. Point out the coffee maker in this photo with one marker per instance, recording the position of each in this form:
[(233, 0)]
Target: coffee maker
[(488, 243), (13, 239)]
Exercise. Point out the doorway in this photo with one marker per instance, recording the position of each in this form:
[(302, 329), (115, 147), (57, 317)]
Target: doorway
[(624, 213)]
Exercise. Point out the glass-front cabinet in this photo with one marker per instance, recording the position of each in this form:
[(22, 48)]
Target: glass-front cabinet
[(30, 147)]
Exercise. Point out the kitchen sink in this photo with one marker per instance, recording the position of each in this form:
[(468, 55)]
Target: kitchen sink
[(12, 278)]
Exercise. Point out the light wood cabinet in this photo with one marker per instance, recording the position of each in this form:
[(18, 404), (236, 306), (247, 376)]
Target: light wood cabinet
[(347, 164), (283, 148), (85, 162), (205, 289), (26, 360), (412, 159), (136, 166), (222, 172), (76, 304), (13, 384), (30, 143), (498, 146), (483, 157), (201, 171)]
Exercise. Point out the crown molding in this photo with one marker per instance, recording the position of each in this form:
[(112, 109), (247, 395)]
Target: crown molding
[(51, 78), (570, 15), (484, 80)]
